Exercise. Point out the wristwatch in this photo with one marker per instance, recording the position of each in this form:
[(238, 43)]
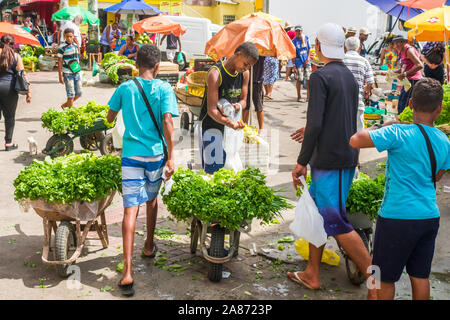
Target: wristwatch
[(378, 125), (404, 73)]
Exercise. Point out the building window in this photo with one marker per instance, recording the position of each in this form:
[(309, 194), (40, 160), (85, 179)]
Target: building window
[(228, 19)]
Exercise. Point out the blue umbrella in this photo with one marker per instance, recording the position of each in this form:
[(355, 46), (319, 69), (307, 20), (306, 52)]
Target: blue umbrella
[(134, 7), (392, 8)]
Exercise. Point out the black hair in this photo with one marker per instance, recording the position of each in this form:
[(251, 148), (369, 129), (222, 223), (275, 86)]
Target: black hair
[(68, 30), (148, 56), (249, 50), (34, 32), (436, 54), (131, 37), (7, 55), (427, 95)]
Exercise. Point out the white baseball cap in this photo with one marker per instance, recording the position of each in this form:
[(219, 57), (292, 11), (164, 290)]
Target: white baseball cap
[(332, 41)]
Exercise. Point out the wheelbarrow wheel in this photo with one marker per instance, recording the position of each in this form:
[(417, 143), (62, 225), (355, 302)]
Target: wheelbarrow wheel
[(194, 235), (66, 244), (216, 250), (92, 141), (354, 274), (184, 123), (61, 143), (107, 146)]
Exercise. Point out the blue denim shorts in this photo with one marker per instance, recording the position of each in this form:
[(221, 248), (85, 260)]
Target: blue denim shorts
[(141, 179), (73, 84)]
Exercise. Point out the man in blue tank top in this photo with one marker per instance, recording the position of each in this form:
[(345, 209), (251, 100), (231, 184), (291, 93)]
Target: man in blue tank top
[(226, 80)]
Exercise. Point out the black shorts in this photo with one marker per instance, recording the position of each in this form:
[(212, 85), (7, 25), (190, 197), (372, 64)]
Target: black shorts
[(402, 243), (258, 96)]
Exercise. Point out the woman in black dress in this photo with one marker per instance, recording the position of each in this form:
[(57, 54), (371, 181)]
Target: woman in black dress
[(10, 63)]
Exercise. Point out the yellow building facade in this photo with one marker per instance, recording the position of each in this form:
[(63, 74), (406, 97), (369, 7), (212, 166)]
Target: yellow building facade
[(219, 12)]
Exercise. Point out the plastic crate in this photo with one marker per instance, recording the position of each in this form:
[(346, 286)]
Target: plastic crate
[(171, 78), (203, 64)]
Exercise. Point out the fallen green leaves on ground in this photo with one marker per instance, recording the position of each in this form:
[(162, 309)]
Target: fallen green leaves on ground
[(288, 239), (225, 197), (164, 233)]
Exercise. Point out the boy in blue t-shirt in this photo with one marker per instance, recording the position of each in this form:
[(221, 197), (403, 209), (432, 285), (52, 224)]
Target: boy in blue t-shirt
[(143, 158), (408, 219)]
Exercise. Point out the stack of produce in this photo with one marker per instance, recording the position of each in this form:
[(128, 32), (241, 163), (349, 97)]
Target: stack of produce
[(225, 197), (250, 135), (111, 63), (30, 56), (84, 177), (144, 39), (70, 119)]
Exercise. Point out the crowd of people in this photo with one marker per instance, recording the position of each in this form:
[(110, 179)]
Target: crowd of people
[(331, 140)]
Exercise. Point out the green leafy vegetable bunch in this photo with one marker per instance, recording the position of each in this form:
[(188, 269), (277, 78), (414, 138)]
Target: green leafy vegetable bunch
[(224, 197), (83, 177)]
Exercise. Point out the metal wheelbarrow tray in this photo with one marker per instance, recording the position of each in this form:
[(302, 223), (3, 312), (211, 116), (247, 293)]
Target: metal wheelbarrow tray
[(71, 233)]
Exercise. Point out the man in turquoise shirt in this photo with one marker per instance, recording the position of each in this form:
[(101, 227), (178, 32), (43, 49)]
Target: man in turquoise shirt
[(143, 157), (408, 219)]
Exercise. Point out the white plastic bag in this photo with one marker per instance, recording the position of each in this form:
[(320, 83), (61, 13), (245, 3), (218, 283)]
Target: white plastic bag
[(118, 131), (308, 223), (232, 139)]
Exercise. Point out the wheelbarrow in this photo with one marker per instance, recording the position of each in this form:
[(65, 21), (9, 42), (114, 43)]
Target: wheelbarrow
[(90, 139), (194, 106), (70, 233), (216, 254), (364, 228)]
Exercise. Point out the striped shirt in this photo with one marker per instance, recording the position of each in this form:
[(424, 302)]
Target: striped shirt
[(68, 52), (362, 71)]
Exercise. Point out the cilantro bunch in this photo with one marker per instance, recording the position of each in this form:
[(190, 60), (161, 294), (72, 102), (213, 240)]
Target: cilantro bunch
[(225, 197), (70, 119), (83, 177), (365, 195)]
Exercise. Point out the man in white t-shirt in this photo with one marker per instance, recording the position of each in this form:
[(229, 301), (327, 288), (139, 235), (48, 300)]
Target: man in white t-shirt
[(74, 26)]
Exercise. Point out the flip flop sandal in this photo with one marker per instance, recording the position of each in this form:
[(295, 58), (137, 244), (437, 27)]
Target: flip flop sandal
[(127, 289), (297, 279), (155, 250), (11, 147)]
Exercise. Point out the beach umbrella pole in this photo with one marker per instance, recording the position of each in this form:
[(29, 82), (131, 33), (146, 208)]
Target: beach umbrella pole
[(446, 55), (251, 96)]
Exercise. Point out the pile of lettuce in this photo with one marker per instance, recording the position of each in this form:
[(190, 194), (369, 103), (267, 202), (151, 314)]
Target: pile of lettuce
[(75, 177), (70, 119), (111, 63)]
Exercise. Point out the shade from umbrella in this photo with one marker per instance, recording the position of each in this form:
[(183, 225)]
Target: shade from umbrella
[(70, 13), (422, 4), (20, 35), (264, 15), (133, 7), (268, 36), (159, 24), (392, 8)]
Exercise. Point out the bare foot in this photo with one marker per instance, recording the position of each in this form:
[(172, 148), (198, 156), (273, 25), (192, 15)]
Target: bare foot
[(304, 279)]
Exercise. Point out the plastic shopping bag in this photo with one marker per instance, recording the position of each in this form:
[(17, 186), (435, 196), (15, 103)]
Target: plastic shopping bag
[(233, 140), (308, 223), (328, 256), (118, 131)]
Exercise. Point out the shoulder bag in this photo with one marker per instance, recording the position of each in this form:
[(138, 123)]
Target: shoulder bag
[(138, 84)]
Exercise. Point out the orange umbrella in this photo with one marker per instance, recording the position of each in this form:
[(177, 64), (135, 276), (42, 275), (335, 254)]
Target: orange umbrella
[(159, 24), (423, 4), (269, 36), (20, 35)]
